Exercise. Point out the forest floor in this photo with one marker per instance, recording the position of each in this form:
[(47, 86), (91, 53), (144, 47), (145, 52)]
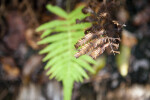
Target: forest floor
[(22, 76)]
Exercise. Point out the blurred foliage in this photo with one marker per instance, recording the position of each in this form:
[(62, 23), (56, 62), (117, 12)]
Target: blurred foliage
[(101, 62), (123, 60), (22, 76)]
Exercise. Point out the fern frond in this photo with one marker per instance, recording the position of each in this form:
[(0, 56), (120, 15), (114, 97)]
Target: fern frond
[(61, 63), (53, 38), (45, 33), (55, 60), (76, 12), (56, 10), (51, 24)]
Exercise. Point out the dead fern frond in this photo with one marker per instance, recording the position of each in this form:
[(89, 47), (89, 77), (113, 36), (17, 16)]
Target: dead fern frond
[(104, 33)]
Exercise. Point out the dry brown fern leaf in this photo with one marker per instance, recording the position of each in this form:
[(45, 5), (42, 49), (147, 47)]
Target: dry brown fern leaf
[(104, 33)]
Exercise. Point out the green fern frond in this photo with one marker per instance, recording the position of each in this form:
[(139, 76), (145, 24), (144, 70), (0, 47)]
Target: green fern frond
[(56, 10), (61, 63)]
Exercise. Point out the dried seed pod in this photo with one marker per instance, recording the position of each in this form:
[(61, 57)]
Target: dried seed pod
[(87, 37), (104, 33)]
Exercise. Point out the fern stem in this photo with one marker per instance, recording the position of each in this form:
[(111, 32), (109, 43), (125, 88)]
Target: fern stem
[(68, 82), (67, 88)]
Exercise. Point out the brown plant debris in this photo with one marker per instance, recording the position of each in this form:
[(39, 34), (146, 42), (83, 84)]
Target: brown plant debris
[(104, 33), (142, 17)]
